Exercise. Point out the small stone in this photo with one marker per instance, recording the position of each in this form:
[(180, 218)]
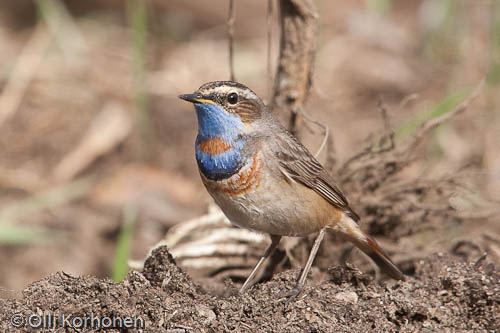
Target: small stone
[(205, 312), (348, 297), (374, 295)]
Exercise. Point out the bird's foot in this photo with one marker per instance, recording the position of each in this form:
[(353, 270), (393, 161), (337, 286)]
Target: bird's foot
[(292, 294)]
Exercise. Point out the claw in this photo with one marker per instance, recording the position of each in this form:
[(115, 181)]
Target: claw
[(291, 294)]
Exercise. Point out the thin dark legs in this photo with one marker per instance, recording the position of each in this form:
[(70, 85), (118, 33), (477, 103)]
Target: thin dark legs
[(300, 284), (275, 240)]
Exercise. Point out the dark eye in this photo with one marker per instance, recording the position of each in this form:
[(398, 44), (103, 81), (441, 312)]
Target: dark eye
[(232, 98)]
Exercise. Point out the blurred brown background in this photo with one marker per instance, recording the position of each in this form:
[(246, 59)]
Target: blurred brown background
[(91, 127)]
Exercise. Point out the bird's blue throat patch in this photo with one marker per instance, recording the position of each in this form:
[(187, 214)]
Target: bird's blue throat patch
[(219, 144)]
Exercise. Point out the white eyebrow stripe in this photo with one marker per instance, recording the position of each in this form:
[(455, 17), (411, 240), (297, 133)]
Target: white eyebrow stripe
[(223, 90)]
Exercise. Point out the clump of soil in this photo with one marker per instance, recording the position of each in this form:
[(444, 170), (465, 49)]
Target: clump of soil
[(444, 293)]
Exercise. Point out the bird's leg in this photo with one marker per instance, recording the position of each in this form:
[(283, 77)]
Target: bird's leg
[(300, 284), (275, 240)]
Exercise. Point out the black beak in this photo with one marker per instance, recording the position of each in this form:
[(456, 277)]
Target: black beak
[(193, 98)]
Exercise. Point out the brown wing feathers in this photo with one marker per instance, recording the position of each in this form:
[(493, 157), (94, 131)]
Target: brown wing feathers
[(302, 167)]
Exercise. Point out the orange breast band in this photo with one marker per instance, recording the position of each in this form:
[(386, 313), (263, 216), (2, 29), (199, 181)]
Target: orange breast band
[(214, 146), (245, 180)]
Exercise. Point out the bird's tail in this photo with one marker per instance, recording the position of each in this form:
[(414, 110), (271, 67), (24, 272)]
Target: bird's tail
[(349, 230)]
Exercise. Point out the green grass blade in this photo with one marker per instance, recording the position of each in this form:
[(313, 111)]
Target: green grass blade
[(12, 234), (50, 198), (449, 103), (138, 20), (124, 245), (379, 7), (21, 235)]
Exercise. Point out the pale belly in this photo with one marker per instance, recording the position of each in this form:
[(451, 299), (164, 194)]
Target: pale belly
[(273, 205)]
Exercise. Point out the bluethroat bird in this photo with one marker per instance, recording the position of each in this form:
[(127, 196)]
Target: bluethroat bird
[(264, 179)]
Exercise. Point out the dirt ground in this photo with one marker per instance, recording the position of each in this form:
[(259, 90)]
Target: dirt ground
[(91, 129), (444, 294)]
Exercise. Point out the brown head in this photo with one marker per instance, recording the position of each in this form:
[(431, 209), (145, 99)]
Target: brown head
[(233, 97)]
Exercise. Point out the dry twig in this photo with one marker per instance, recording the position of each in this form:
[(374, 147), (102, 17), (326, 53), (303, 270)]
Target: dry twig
[(297, 52), (230, 32), (270, 14), (23, 72), (388, 130), (325, 128), (109, 128), (433, 123)]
